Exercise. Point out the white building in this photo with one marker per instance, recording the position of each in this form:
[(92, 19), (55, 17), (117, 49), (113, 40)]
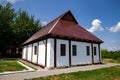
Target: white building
[(62, 43)]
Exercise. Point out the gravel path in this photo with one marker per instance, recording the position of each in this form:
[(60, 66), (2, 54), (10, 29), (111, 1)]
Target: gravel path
[(38, 73)]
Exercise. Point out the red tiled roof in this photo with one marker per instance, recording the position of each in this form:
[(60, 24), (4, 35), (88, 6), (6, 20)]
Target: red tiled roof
[(66, 26)]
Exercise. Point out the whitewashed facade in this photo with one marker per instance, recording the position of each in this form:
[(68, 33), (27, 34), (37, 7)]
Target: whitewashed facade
[(47, 59)]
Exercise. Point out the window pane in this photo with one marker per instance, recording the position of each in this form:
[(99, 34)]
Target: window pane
[(88, 50), (74, 53), (63, 50), (94, 50), (35, 50)]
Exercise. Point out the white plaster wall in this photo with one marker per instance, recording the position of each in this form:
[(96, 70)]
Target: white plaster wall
[(41, 53), (96, 57), (62, 60), (50, 53), (81, 57), (24, 53), (29, 52), (34, 57)]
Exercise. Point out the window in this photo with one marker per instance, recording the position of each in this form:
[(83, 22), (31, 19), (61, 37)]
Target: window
[(35, 50), (88, 50), (63, 49), (74, 50), (94, 50)]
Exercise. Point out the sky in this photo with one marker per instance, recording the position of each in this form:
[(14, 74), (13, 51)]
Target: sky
[(100, 17)]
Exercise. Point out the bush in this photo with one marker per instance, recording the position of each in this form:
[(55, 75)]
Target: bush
[(110, 54)]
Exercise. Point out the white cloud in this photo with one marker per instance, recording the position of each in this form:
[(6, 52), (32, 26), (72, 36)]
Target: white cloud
[(113, 48), (96, 26), (13, 1), (44, 23), (115, 28)]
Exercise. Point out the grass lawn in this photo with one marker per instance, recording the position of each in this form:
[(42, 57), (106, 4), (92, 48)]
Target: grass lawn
[(112, 73), (10, 65), (110, 60), (28, 64)]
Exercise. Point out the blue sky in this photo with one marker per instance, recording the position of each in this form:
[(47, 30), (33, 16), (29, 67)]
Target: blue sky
[(101, 17)]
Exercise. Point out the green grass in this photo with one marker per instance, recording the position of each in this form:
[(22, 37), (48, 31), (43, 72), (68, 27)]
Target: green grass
[(28, 65), (111, 60), (10, 65), (112, 73)]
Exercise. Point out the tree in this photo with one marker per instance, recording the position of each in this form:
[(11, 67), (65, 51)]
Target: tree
[(105, 53), (7, 15), (110, 54), (24, 26), (15, 28)]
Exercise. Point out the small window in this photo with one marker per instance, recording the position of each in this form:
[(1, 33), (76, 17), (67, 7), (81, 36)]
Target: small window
[(74, 50), (94, 50), (35, 50), (63, 50), (88, 50)]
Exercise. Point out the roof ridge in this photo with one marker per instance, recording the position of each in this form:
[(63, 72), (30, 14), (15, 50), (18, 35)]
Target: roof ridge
[(59, 17), (57, 20), (53, 26)]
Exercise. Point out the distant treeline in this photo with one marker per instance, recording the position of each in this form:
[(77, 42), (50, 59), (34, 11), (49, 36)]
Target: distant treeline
[(110, 54)]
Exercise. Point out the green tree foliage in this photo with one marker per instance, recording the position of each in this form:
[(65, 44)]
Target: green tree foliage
[(105, 53), (110, 54), (7, 15), (24, 26), (116, 55), (15, 27)]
